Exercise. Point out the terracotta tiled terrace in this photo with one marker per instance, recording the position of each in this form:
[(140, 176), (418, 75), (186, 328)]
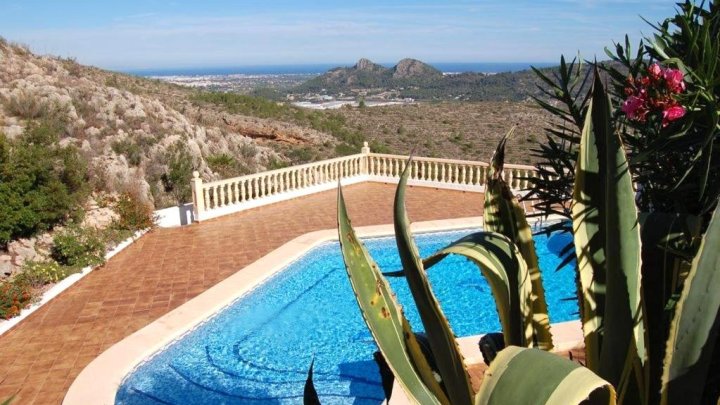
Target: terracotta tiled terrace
[(42, 355)]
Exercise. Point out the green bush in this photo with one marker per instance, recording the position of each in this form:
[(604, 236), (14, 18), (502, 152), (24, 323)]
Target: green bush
[(134, 214), (176, 180), (225, 165), (77, 247), (41, 184), (343, 149), (301, 155), (130, 150), (37, 274)]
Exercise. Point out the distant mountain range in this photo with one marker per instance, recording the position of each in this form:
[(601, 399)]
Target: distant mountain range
[(415, 79), (368, 75)]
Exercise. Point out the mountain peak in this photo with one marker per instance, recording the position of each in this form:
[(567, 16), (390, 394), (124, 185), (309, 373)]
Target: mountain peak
[(367, 64), (409, 67)]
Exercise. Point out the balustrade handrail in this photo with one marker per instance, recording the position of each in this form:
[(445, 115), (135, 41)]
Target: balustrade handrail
[(237, 193), (431, 159), (282, 170)]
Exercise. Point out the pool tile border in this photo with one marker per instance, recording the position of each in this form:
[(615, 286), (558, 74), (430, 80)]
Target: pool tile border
[(99, 381)]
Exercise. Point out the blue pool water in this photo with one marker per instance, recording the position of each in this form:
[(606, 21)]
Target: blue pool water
[(257, 350)]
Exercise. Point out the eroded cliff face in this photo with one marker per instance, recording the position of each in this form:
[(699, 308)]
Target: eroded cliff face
[(127, 127)]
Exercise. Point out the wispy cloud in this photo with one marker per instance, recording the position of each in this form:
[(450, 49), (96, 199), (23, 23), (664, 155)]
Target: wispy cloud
[(245, 33)]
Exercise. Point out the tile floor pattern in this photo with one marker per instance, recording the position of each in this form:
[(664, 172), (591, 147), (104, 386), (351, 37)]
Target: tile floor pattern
[(41, 356)]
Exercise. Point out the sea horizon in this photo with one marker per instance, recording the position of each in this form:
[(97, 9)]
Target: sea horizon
[(319, 68)]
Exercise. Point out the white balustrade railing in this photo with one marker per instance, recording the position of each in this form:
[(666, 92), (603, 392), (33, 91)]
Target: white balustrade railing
[(216, 198), (463, 174)]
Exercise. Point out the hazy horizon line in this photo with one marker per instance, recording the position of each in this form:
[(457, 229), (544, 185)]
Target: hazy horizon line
[(323, 65)]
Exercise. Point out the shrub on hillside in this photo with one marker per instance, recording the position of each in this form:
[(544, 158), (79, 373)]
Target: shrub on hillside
[(77, 247), (176, 180), (14, 296), (131, 150), (41, 183), (134, 214), (225, 165), (38, 274)]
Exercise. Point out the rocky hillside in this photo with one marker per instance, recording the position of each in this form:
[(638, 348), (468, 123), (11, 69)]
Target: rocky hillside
[(131, 129)]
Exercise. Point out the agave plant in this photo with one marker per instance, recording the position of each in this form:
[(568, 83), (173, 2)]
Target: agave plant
[(609, 239)]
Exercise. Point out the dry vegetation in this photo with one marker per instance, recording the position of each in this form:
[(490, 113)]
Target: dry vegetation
[(460, 130), (131, 129)]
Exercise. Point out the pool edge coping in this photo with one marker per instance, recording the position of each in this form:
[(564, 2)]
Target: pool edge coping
[(99, 381)]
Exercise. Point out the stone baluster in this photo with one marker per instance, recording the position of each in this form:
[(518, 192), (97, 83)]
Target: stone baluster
[(221, 200), (213, 197)]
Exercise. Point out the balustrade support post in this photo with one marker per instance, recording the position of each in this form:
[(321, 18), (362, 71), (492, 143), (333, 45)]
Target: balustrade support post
[(196, 184), (365, 160)]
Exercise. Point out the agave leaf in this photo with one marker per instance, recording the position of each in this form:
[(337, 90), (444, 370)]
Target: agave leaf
[(310, 396), (667, 249), (607, 244), (545, 378), (503, 215), (695, 326), (440, 336), (385, 318), (501, 264)]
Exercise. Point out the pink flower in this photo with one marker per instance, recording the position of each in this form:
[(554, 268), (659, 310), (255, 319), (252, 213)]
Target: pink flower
[(655, 71), (634, 108), (672, 113), (674, 80)]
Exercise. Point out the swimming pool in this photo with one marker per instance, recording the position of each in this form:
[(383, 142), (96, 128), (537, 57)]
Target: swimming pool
[(257, 350)]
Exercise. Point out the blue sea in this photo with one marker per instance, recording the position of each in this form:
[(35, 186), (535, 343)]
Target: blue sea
[(308, 69)]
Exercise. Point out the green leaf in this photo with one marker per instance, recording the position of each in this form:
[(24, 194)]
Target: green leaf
[(441, 339), (501, 264), (531, 376), (310, 396), (668, 246), (504, 215), (384, 317), (607, 244), (694, 328)]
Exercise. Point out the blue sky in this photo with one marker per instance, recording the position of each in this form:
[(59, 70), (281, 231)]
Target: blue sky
[(139, 34)]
